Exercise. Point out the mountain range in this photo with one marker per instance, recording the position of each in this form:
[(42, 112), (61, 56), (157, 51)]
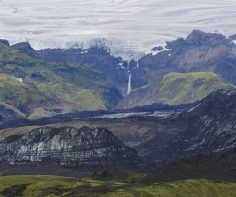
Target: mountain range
[(54, 81), (199, 52), (39, 88)]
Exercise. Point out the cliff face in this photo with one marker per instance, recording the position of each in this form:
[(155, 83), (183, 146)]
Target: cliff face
[(83, 149)]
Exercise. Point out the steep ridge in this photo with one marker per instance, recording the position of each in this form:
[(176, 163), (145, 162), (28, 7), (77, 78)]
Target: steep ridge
[(83, 149), (208, 127)]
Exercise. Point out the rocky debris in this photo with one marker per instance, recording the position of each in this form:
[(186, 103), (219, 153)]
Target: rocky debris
[(83, 149)]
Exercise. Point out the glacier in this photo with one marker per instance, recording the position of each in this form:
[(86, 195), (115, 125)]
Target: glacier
[(132, 24)]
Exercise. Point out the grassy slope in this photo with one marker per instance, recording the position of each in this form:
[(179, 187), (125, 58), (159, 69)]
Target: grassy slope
[(178, 88), (74, 85), (59, 186), (15, 93)]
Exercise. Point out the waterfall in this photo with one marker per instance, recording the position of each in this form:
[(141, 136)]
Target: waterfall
[(129, 83)]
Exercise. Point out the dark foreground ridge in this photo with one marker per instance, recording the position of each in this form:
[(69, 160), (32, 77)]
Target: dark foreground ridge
[(218, 166), (82, 149), (208, 127)]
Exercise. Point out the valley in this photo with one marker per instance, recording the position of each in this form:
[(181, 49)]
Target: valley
[(82, 122)]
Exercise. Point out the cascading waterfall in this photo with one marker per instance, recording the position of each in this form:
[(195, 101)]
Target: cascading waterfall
[(129, 83)]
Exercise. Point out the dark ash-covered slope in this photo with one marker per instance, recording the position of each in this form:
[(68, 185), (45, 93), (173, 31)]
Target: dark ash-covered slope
[(208, 127), (218, 166)]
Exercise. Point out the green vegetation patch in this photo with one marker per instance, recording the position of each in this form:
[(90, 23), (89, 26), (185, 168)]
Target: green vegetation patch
[(60, 186), (179, 88)]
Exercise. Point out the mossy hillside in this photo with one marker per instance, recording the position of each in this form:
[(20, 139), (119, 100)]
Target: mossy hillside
[(18, 94), (78, 86), (60, 186), (179, 88)]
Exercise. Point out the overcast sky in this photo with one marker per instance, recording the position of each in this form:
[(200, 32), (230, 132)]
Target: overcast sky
[(138, 23)]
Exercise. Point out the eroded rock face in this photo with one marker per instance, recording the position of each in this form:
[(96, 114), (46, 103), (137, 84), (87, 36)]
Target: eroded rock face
[(68, 147)]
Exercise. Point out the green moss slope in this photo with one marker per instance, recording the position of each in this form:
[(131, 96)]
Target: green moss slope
[(60, 186), (179, 88)]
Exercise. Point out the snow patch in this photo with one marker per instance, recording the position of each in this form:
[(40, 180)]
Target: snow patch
[(18, 79), (155, 53)]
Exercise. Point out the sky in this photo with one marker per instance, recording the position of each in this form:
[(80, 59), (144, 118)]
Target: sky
[(136, 24)]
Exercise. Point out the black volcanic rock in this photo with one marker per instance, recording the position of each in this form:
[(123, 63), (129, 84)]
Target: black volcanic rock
[(199, 38), (24, 47), (160, 48), (4, 42), (208, 127), (83, 149)]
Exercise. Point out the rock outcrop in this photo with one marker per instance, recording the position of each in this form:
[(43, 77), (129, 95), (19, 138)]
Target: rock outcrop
[(83, 149)]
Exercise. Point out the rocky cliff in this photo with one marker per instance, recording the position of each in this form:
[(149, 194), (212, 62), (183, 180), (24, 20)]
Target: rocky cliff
[(83, 149)]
